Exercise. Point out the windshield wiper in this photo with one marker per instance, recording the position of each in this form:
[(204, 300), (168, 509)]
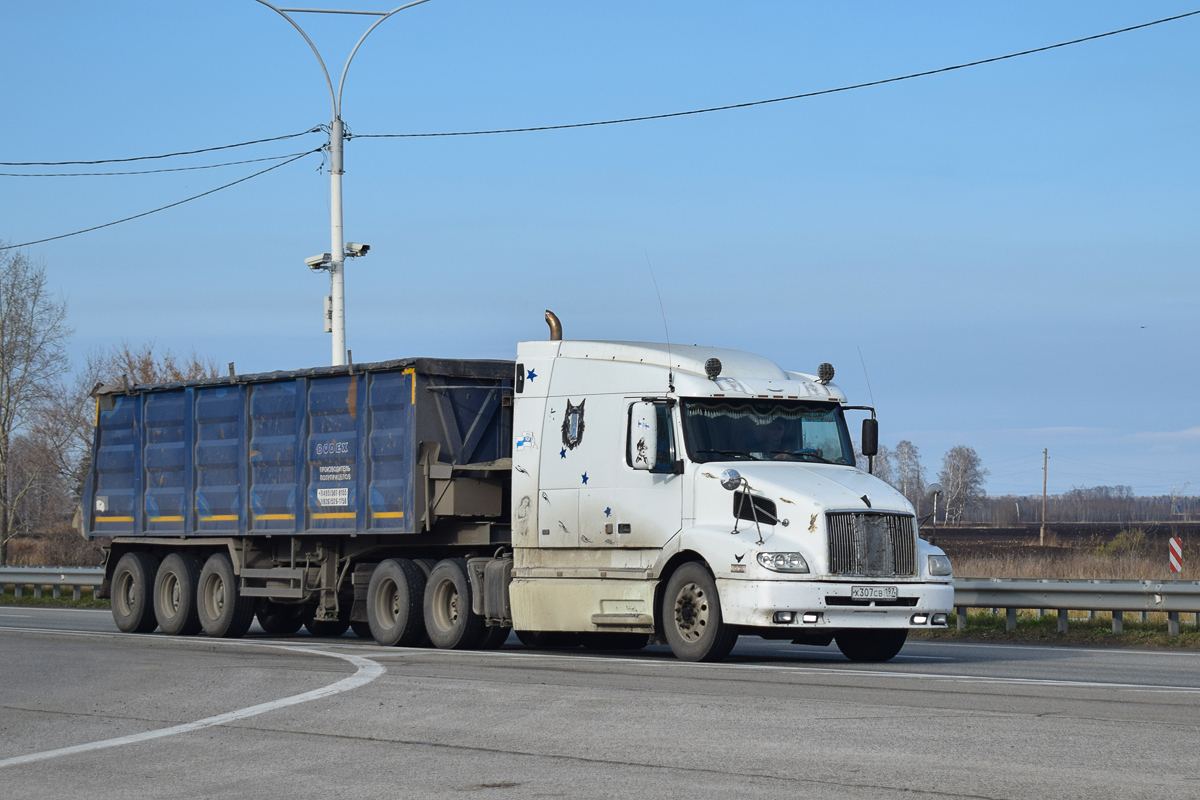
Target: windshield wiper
[(742, 453), (810, 453)]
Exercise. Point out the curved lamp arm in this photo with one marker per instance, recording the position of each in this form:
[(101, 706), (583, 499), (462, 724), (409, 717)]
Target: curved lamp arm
[(342, 82), (333, 99)]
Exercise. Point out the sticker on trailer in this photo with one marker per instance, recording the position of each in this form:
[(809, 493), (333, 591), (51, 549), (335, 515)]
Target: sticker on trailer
[(333, 497), (526, 441), (340, 472)]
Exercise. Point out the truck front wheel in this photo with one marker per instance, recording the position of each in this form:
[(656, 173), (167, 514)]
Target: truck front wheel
[(395, 603), (691, 616), (133, 593), (224, 613), (449, 620), (879, 644)]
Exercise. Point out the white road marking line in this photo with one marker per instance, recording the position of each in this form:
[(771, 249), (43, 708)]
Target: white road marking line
[(848, 669), (368, 671), (64, 608), (20, 616)]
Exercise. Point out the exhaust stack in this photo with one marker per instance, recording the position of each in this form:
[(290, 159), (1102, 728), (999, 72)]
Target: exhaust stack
[(555, 326)]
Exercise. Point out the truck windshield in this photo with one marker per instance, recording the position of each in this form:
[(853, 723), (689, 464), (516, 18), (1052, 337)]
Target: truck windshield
[(766, 430)]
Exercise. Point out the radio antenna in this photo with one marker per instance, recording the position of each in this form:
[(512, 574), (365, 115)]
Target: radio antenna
[(865, 375), (670, 359)]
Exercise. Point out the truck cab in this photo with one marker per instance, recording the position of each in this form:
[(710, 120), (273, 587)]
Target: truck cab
[(697, 493)]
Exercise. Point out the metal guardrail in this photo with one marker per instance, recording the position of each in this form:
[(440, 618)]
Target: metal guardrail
[(1011, 594), (56, 577)]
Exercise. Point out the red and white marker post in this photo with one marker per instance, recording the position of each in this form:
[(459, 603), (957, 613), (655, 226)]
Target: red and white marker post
[(1175, 548)]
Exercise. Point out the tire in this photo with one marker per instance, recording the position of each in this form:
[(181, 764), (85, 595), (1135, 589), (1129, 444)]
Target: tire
[(224, 613), (495, 638), (361, 629), (548, 640), (396, 604), (133, 593), (175, 595), (426, 565), (279, 619), (615, 641), (449, 620), (871, 645), (691, 616)]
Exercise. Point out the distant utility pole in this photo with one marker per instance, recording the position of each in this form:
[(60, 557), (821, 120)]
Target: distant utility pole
[(1045, 464), (335, 262)]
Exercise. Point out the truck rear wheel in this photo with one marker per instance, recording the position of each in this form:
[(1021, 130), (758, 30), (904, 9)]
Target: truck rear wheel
[(278, 619), (395, 603), (133, 593), (691, 616), (877, 644), (175, 595), (449, 620), (224, 613)]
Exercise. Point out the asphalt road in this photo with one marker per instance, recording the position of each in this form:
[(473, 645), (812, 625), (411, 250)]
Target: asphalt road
[(89, 712)]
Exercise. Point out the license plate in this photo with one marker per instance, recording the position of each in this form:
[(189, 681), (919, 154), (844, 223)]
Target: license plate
[(874, 592)]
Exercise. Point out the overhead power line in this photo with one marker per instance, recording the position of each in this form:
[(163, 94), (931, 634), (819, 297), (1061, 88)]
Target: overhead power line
[(163, 155), (145, 171), (164, 208), (784, 99)]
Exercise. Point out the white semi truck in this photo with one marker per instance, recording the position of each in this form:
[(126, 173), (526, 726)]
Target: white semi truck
[(592, 493)]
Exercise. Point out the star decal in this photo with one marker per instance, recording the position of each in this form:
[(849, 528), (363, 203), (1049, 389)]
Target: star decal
[(562, 453), (608, 512), (585, 479), (531, 375)]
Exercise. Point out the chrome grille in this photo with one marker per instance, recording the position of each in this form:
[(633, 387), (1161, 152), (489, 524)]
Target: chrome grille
[(871, 545)]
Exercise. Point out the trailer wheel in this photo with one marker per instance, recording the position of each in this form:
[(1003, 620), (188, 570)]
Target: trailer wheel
[(133, 593), (224, 613), (691, 616), (175, 595), (872, 644), (278, 619), (451, 623), (395, 613), (361, 629)]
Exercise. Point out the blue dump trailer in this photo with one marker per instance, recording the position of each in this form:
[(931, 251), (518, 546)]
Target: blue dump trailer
[(285, 479), (586, 493)]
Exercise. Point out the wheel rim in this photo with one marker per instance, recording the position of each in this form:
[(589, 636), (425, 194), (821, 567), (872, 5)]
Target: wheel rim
[(171, 595), (125, 595), (691, 612), (214, 596), (445, 605), (387, 603)]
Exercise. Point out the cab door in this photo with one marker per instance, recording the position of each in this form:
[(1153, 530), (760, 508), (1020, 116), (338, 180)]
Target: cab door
[(640, 504)]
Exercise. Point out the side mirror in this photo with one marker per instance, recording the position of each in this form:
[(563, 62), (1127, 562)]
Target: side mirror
[(932, 490), (870, 437), (643, 436)]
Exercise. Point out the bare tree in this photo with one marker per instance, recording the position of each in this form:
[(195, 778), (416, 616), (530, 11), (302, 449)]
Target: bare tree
[(962, 478), (881, 465), (33, 334), (909, 475)]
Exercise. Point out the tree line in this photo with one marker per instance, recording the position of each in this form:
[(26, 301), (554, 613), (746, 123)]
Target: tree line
[(47, 413)]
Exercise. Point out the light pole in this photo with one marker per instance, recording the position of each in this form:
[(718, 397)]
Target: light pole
[(337, 253)]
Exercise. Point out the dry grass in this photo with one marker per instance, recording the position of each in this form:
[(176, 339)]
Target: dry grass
[(1045, 562)]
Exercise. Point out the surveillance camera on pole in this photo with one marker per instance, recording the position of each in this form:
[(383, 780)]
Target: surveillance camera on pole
[(318, 263), (356, 250)]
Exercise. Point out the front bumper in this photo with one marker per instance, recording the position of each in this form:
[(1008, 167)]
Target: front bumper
[(754, 604)]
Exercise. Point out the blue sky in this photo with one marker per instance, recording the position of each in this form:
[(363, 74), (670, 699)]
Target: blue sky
[(1013, 247)]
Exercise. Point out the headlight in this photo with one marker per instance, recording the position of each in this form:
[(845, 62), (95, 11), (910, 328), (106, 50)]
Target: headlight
[(939, 566), (783, 562)]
